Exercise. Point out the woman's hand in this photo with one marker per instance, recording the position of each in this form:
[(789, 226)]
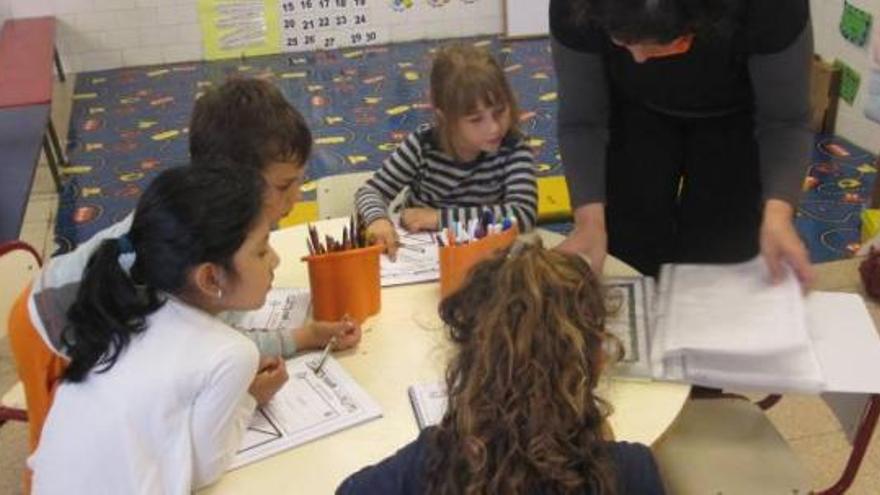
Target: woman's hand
[(383, 232), (589, 237), (780, 244), (270, 377), (420, 219)]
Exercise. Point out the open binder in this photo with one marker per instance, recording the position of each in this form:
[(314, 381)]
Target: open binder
[(728, 326)]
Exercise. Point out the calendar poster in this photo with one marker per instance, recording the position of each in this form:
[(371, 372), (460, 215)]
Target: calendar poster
[(327, 24)]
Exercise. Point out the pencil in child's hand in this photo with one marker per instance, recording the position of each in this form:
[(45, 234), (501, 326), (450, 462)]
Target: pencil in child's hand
[(324, 354)]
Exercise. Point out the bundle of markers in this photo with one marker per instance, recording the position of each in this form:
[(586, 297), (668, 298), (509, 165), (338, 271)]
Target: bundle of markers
[(474, 229), (354, 236), (463, 245)]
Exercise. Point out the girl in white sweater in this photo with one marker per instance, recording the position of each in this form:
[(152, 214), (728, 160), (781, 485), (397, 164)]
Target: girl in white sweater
[(159, 391)]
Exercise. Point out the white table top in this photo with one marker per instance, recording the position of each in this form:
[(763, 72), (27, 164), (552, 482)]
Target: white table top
[(404, 345)]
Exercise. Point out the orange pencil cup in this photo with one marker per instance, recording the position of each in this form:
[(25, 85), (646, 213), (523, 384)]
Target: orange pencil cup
[(457, 261), (345, 283)]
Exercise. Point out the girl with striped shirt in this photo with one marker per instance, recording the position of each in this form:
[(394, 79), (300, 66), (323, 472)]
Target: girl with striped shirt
[(470, 160)]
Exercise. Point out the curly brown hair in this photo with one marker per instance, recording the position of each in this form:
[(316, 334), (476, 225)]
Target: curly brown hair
[(522, 415)]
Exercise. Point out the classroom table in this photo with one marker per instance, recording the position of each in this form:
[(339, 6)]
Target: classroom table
[(403, 345)]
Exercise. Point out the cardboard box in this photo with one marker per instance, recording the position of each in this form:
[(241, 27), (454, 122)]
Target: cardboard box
[(824, 91)]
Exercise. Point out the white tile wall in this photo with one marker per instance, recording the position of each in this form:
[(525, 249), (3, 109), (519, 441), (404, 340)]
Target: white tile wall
[(101, 5), (71, 6), (101, 60), (150, 36), (102, 34), (182, 52), (171, 16), (146, 55), (407, 31), (5, 10), (31, 8), (443, 29), (91, 22), (120, 39)]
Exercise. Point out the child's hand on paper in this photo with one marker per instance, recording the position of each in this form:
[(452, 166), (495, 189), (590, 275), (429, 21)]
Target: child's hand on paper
[(420, 219), (346, 331), (383, 231), (271, 376)]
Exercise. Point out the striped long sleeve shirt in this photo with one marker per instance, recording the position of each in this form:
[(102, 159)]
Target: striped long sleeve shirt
[(502, 182)]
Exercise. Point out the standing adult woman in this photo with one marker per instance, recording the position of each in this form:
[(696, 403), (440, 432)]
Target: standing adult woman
[(683, 128)]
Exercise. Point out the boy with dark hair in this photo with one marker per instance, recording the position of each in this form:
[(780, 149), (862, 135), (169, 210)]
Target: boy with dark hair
[(245, 121), (249, 121)]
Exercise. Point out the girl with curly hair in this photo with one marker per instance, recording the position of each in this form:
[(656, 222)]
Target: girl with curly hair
[(523, 417)]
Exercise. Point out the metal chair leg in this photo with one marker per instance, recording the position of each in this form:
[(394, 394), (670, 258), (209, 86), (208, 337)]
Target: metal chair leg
[(53, 164), (865, 431), (58, 67), (56, 144)]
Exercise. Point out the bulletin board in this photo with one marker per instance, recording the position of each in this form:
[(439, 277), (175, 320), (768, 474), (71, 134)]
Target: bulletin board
[(526, 18)]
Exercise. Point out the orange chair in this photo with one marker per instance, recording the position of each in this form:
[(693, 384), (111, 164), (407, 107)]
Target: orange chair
[(19, 262)]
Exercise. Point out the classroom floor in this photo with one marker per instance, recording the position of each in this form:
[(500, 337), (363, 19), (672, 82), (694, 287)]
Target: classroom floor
[(129, 124), (804, 421)]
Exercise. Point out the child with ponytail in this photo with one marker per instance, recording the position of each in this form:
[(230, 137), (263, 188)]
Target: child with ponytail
[(158, 391)]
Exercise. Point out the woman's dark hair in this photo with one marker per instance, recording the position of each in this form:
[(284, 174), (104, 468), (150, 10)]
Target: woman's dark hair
[(187, 216), (661, 21), (248, 120), (529, 332)]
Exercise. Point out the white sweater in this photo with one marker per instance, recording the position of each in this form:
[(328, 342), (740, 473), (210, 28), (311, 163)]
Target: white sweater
[(167, 418)]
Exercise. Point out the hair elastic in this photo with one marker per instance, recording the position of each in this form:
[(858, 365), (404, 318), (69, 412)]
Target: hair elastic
[(125, 245)]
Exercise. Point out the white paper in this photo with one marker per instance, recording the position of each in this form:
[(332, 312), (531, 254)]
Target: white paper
[(711, 303), (418, 260), (284, 308), (845, 341), (728, 325), (628, 300), (309, 406), (429, 402)]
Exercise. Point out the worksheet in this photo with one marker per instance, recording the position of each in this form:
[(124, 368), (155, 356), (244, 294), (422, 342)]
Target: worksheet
[(428, 403), (628, 300), (310, 406), (284, 308), (418, 260)]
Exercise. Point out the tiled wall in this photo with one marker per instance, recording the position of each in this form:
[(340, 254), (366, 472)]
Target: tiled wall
[(103, 34), (851, 121), (4, 10)]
